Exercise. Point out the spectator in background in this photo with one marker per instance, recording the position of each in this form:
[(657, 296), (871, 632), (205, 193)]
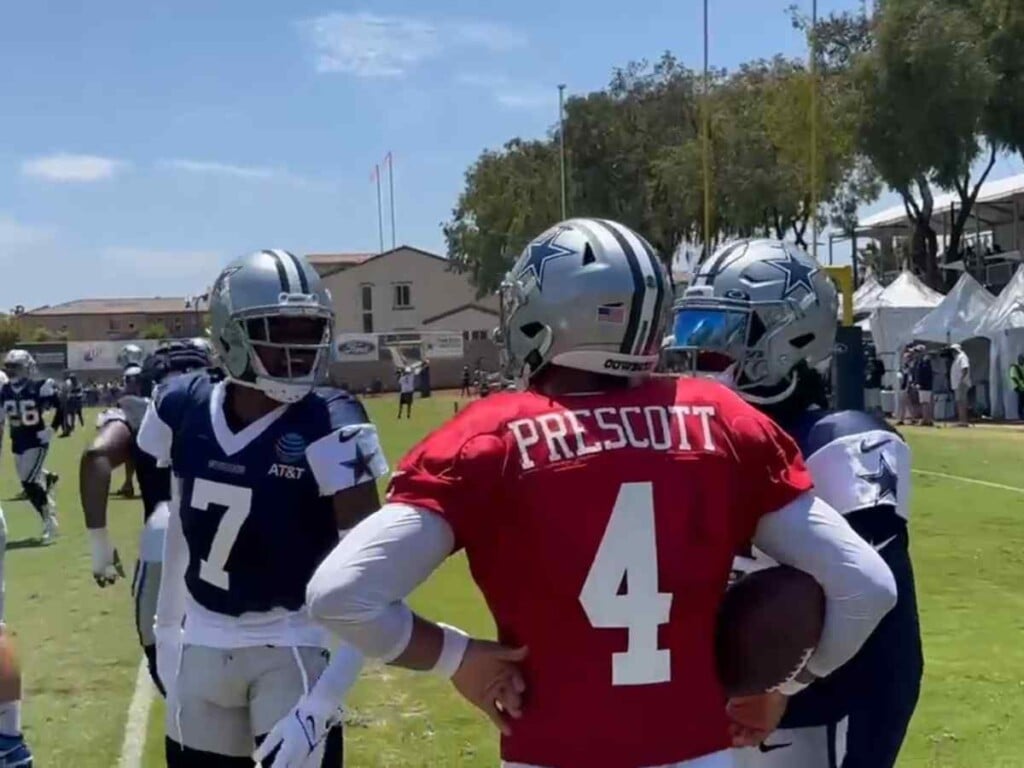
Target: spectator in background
[(904, 408), (1017, 382), (924, 378), (464, 392), (960, 383), (406, 387), (874, 370)]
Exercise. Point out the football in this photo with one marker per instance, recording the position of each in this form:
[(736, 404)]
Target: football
[(769, 623)]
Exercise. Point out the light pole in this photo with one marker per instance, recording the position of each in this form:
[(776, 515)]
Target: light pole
[(706, 143), (561, 144), (814, 129)]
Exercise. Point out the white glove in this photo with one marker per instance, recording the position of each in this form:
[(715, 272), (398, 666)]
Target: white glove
[(297, 737), (106, 564)]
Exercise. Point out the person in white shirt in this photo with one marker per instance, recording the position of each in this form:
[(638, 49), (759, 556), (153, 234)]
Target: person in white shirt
[(406, 387), (960, 382)]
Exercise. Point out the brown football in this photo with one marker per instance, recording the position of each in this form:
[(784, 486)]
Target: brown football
[(769, 623)]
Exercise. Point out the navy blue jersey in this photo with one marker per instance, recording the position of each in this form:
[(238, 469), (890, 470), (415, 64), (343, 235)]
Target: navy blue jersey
[(861, 466), (24, 405), (256, 505)]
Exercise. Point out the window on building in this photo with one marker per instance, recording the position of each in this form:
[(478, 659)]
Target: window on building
[(367, 298), (112, 324), (403, 296), (478, 335), (177, 323), (367, 322)]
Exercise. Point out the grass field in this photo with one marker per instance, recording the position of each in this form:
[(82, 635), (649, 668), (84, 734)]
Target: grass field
[(80, 650)]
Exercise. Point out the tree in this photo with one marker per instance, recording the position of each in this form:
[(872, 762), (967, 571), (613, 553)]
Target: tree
[(1003, 29), (925, 87), (41, 334), (511, 196), (155, 331), (10, 332)]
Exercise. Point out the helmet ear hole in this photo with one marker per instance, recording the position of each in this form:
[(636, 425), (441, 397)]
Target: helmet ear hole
[(531, 329), (588, 255), (802, 341)]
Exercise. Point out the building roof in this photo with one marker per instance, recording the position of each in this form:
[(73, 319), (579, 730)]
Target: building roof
[(457, 310), (328, 260), (138, 306), (997, 191)]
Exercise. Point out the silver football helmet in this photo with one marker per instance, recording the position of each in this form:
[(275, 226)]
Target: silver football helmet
[(272, 324), (753, 312), (19, 365), (130, 355), (588, 294)]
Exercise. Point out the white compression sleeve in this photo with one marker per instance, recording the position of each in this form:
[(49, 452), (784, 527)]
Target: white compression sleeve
[(170, 602), (358, 590), (859, 587)]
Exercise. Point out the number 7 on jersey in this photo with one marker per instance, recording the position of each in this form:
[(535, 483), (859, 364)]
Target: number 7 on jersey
[(629, 550), (238, 504)]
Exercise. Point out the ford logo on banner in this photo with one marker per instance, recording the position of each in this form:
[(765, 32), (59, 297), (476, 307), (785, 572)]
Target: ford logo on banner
[(357, 347)]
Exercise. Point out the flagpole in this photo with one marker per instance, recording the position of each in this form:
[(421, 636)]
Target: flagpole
[(561, 144), (380, 211), (391, 195), (814, 129), (706, 144)]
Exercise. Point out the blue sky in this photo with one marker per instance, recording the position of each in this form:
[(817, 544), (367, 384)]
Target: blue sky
[(146, 142)]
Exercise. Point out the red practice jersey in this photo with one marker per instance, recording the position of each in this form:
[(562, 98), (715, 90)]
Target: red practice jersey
[(601, 529)]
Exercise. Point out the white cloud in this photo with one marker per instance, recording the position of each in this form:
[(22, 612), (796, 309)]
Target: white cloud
[(367, 45), (510, 94), (66, 167), (243, 172)]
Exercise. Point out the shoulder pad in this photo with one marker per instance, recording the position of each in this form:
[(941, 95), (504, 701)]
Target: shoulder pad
[(175, 396), (342, 408), (817, 429)]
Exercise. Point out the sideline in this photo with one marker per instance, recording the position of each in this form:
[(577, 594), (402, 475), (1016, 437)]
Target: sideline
[(971, 480), (134, 744)]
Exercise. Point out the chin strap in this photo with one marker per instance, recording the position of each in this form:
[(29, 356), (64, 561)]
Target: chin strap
[(773, 399)]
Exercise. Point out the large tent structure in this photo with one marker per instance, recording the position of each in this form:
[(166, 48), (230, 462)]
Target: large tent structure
[(956, 317), (1003, 325), (898, 308)]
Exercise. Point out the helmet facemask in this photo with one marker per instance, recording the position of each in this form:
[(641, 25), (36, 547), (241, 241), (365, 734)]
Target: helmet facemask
[(523, 347), (731, 341), (284, 351)]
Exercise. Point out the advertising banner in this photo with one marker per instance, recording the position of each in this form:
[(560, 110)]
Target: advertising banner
[(357, 347)]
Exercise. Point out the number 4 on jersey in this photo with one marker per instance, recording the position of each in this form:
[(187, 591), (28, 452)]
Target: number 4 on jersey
[(629, 551)]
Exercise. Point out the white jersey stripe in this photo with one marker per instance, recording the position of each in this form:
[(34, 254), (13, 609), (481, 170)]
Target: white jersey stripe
[(289, 268)]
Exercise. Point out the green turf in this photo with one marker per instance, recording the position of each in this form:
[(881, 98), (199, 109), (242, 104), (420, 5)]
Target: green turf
[(80, 651)]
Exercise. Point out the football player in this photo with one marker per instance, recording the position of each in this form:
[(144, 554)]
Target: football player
[(268, 469), (761, 315), (600, 510), (130, 356), (25, 400), (111, 448)]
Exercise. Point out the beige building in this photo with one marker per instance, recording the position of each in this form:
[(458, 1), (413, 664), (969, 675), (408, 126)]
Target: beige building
[(403, 295), (115, 319)]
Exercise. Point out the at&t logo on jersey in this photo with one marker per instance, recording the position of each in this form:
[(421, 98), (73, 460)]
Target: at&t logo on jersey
[(290, 449)]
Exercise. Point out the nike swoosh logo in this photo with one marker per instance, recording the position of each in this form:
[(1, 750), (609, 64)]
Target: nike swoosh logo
[(884, 544), (867, 446), (766, 748)]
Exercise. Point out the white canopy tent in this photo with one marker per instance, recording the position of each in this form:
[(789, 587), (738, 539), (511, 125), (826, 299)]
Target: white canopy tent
[(1003, 325), (956, 317), (904, 302), (865, 297)]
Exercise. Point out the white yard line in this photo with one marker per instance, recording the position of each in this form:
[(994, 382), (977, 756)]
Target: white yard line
[(971, 480), (134, 744)]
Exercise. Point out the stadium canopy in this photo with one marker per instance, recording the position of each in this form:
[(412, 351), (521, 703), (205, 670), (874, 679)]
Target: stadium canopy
[(865, 296), (956, 317), (897, 309), (1003, 325)]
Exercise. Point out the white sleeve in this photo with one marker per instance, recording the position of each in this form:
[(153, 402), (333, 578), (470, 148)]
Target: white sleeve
[(155, 437), (358, 591), (348, 456), (48, 388), (170, 602), (859, 587)]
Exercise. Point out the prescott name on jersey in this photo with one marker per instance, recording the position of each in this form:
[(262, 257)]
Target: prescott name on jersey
[(601, 529), (24, 405), (256, 505)]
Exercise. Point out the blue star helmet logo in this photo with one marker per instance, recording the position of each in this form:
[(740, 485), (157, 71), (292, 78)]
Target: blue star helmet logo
[(798, 274), (885, 480), (540, 253)]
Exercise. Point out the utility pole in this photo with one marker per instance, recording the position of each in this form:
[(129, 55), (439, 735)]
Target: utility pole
[(561, 142)]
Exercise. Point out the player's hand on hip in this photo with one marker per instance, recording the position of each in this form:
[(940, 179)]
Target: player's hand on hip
[(754, 718), (293, 742), (490, 679)]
